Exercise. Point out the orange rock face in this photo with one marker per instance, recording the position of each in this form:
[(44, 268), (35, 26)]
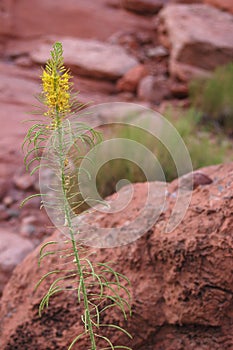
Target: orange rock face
[(84, 19), (129, 82), (199, 37), (182, 281)]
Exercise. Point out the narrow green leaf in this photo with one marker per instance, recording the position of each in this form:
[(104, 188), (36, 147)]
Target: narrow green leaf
[(45, 276), (75, 340), (30, 197), (118, 328)]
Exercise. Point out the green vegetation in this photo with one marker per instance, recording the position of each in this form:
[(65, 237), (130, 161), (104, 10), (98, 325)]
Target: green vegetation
[(213, 97), (204, 128), (205, 148)]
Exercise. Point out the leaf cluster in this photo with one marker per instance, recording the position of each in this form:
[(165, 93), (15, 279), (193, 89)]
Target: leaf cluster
[(106, 288)]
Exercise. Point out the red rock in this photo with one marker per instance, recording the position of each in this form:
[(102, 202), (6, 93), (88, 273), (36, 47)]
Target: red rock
[(143, 6), (8, 201), (13, 213), (27, 230), (29, 220), (157, 52), (179, 90), (226, 5), (129, 82), (127, 40), (13, 249), (113, 3), (153, 89), (90, 58), (83, 19), (4, 187), (200, 179), (198, 36), (24, 182), (145, 88), (126, 96), (182, 281), (185, 72), (6, 18), (4, 215), (24, 61), (192, 181), (16, 89)]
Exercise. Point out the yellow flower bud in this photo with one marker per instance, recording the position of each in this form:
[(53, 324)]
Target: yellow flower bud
[(56, 87)]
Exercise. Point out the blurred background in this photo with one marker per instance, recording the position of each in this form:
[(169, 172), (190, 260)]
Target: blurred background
[(175, 57)]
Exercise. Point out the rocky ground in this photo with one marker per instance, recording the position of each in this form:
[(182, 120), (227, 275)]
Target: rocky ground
[(182, 281), (142, 51)]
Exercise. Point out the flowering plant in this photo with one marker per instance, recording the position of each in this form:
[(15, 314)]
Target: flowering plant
[(97, 285)]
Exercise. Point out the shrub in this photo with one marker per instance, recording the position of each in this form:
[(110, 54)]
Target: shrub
[(214, 97), (205, 149)]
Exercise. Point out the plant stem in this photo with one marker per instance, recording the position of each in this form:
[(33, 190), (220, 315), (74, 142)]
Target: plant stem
[(72, 236)]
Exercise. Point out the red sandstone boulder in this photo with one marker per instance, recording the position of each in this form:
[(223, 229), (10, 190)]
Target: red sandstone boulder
[(153, 89), (6, 20), (199, 38), (90, 58), (83, 18), (129, 82), (182, 281), (13, 250)]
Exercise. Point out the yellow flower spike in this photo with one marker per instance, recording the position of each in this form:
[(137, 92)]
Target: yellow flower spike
[(56, 87)]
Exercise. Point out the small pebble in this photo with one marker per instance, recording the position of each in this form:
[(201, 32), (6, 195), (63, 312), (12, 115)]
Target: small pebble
[(27, 230), (24, 61), (29, 220), (8, 201), (159, 51), (24, 182), (192, 180), (13, 213)]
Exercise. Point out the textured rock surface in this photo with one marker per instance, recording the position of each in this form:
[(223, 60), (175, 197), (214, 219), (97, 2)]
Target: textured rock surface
[(4, 185), (199, 37), (6, 20), (182, 282), (90, 58), (85, 18), (129, 82)]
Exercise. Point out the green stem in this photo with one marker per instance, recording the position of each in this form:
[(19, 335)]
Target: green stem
[(72, 236)]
